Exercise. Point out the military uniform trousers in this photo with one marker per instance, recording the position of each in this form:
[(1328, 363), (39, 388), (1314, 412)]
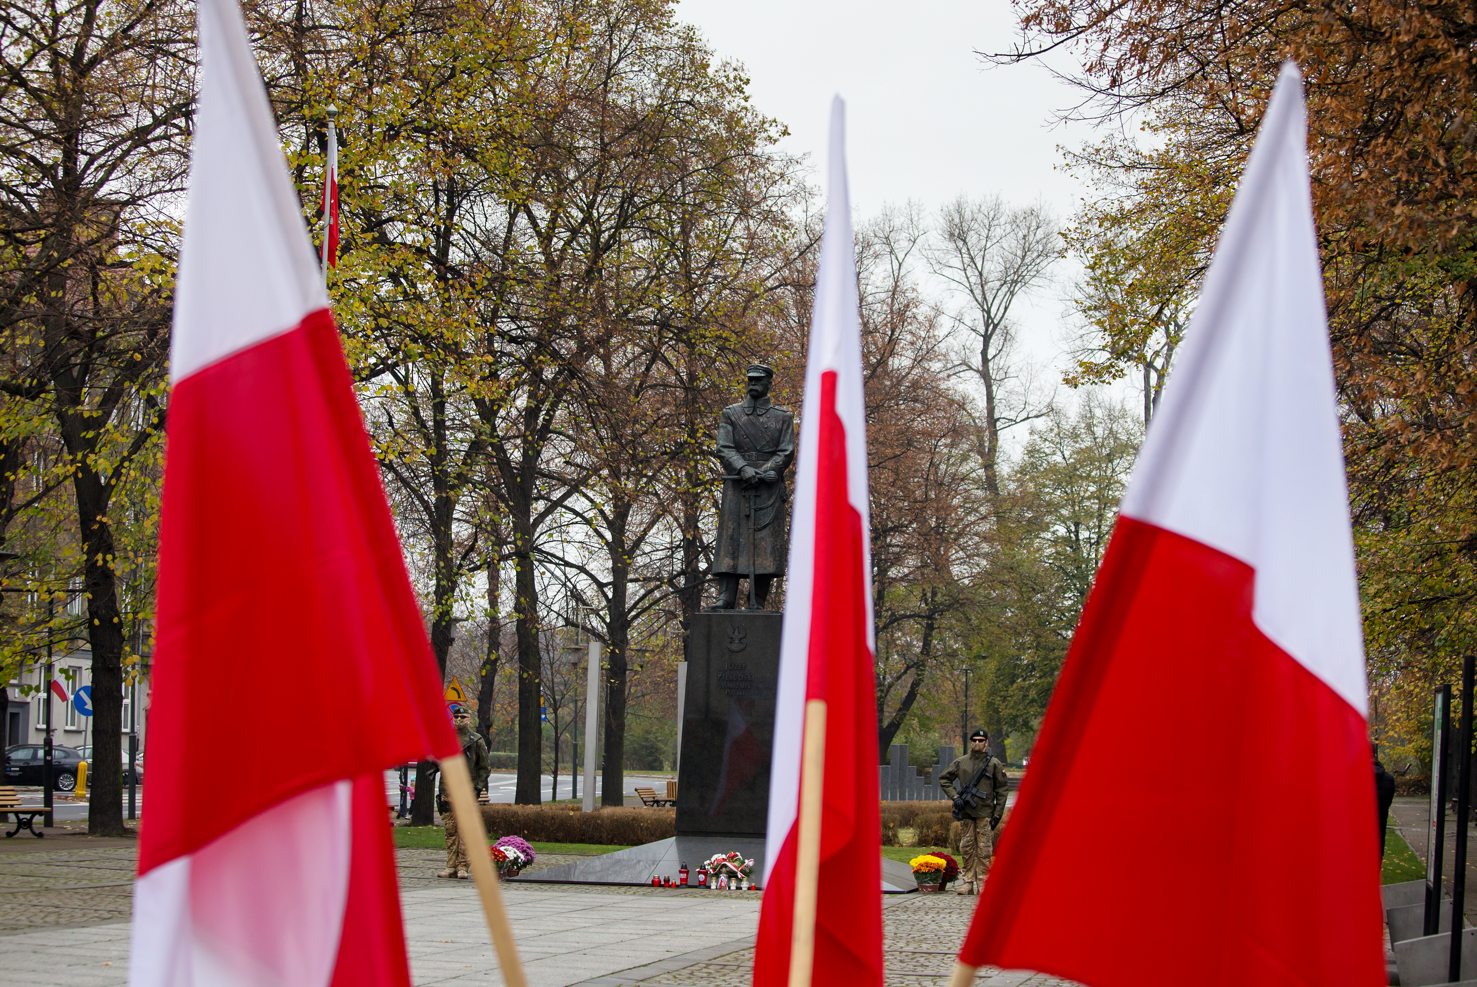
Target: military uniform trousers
[(976, 848), (456, 851)]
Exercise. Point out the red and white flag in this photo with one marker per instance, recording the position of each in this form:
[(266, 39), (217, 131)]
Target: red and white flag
[(828, 641), (291, 661), (1204, 766), (330, 201), (60, 691)]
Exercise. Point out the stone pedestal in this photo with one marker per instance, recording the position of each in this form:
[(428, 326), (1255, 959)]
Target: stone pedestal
[(728, 723)]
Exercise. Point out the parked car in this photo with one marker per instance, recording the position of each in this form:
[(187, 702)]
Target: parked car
[(86, 753), (24, 762)]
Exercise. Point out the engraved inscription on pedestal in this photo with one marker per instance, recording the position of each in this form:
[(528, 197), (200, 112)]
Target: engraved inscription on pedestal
[(728, 725)]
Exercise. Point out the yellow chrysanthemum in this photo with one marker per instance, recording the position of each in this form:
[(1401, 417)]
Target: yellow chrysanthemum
[(927, 862)]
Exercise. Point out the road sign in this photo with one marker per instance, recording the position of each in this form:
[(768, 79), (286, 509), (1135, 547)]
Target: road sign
[(82, 699)]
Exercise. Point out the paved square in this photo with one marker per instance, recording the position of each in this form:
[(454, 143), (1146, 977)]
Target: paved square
[(64, 921)]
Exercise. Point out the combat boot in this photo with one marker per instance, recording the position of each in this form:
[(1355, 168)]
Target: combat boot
[(463, 874), (446, 873), (965, 888)]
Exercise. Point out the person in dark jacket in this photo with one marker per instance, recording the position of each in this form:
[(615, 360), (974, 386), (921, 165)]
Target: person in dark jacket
[(1384, 794), (982, 813)]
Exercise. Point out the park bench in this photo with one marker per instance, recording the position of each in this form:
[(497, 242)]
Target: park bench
[(648, 798), (25, 818)]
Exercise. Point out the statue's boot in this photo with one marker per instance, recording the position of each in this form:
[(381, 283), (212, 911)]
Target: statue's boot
[(761, 590), (727, 592)]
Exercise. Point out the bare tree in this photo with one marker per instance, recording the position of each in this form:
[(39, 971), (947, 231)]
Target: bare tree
[(991, 254)]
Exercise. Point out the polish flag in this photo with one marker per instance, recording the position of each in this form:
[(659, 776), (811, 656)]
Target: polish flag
[(827, 642), (60, 691), (291, 661), (330, 203), (1221, 644)]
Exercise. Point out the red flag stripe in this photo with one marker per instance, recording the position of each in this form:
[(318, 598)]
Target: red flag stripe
[(1245, 741), (275, 545), (848, 947)]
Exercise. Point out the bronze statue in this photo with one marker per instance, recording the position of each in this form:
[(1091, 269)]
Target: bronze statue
[(756, 444)]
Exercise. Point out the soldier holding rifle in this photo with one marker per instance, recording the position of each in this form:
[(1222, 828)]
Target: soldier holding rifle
[(978, 805), (756, 444)]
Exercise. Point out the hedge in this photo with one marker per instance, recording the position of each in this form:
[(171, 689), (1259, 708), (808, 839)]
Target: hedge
[(567, 824)]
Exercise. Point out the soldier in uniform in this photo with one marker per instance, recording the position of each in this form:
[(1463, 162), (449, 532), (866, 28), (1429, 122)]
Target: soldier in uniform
[(479, 763), (982, 813), (756, 443)]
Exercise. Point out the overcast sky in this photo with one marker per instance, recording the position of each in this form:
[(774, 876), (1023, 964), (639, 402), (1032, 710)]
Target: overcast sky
[(926, 120)]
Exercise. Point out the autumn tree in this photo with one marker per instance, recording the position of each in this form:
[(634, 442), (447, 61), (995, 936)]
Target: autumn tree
[(991, 254), (95, 100), (1390, 108)]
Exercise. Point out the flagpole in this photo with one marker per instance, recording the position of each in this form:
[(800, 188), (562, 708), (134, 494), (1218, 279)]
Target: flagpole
[(808, 851), (963, 974), (457, 782), (330, 176)]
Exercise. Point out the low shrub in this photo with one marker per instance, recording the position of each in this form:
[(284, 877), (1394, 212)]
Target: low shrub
[(904, 815), (932, 829), (890, 833), (566, 824), (1413, 785)]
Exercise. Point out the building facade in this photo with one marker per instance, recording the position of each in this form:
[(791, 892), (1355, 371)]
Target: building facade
[(26, 711)]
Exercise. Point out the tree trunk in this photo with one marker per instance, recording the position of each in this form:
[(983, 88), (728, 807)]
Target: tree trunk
[(105, 633), (492, 658), (530, 674), (618, 631), (991, 453)]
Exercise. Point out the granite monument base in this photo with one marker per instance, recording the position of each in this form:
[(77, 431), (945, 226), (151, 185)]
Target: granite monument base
[(733, 659), (664, 858)]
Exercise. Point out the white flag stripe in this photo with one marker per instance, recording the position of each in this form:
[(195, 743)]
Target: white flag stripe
[(245, 226), (835, 335), (1258, 472), (263, 906)]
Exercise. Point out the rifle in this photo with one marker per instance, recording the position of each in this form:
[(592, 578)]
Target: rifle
[(965, 799)]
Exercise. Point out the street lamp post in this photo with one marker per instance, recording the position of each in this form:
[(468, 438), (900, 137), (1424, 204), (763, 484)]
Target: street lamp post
[(46, 800)]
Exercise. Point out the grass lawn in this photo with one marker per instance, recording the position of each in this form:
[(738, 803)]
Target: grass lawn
[(1400, 863), (432, 837), (903, 854)]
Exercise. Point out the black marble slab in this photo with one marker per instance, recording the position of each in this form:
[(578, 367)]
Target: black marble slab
[(664, 858), (728, 724)]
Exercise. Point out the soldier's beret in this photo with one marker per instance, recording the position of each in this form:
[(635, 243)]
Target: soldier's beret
[(979, 735)]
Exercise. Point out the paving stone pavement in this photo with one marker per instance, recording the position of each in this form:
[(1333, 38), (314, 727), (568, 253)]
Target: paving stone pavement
[(64, 921)]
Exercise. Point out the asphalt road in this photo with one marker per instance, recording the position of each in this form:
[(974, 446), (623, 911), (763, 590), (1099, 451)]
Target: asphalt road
[(500, 788)]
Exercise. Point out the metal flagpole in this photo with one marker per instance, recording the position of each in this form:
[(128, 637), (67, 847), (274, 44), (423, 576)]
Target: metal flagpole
[(330, 183), (1436, 837), (1463, 808), (592, 705)]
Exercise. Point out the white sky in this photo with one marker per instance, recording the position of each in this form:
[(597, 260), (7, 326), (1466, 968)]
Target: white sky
[(926, 120)]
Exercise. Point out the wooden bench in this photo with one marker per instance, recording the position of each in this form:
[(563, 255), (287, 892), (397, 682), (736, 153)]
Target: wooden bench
[(648, 798), (25, 818)]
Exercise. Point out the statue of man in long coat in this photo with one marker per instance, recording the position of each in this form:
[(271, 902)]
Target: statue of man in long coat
[(756, 444)]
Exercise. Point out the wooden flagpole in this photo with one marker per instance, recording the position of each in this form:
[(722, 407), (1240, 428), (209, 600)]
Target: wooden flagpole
[(963, 974), (457, 780), (808, 848)]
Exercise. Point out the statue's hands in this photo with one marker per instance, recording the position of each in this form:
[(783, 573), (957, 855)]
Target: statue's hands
[(748, 475), (770, 476)]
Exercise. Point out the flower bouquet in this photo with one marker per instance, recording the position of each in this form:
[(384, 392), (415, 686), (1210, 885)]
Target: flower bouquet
[(929, 871), (511, 854), (731, 865)]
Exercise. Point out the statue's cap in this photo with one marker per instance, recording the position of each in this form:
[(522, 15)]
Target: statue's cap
[(759, 370)]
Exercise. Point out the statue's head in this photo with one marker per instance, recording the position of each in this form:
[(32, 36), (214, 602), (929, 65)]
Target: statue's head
[(759, 377)]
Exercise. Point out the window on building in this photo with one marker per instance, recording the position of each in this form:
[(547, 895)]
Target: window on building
[(127, 708), (41, 705)]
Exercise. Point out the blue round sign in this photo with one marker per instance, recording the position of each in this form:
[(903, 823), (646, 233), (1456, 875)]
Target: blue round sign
[(82, 699)]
